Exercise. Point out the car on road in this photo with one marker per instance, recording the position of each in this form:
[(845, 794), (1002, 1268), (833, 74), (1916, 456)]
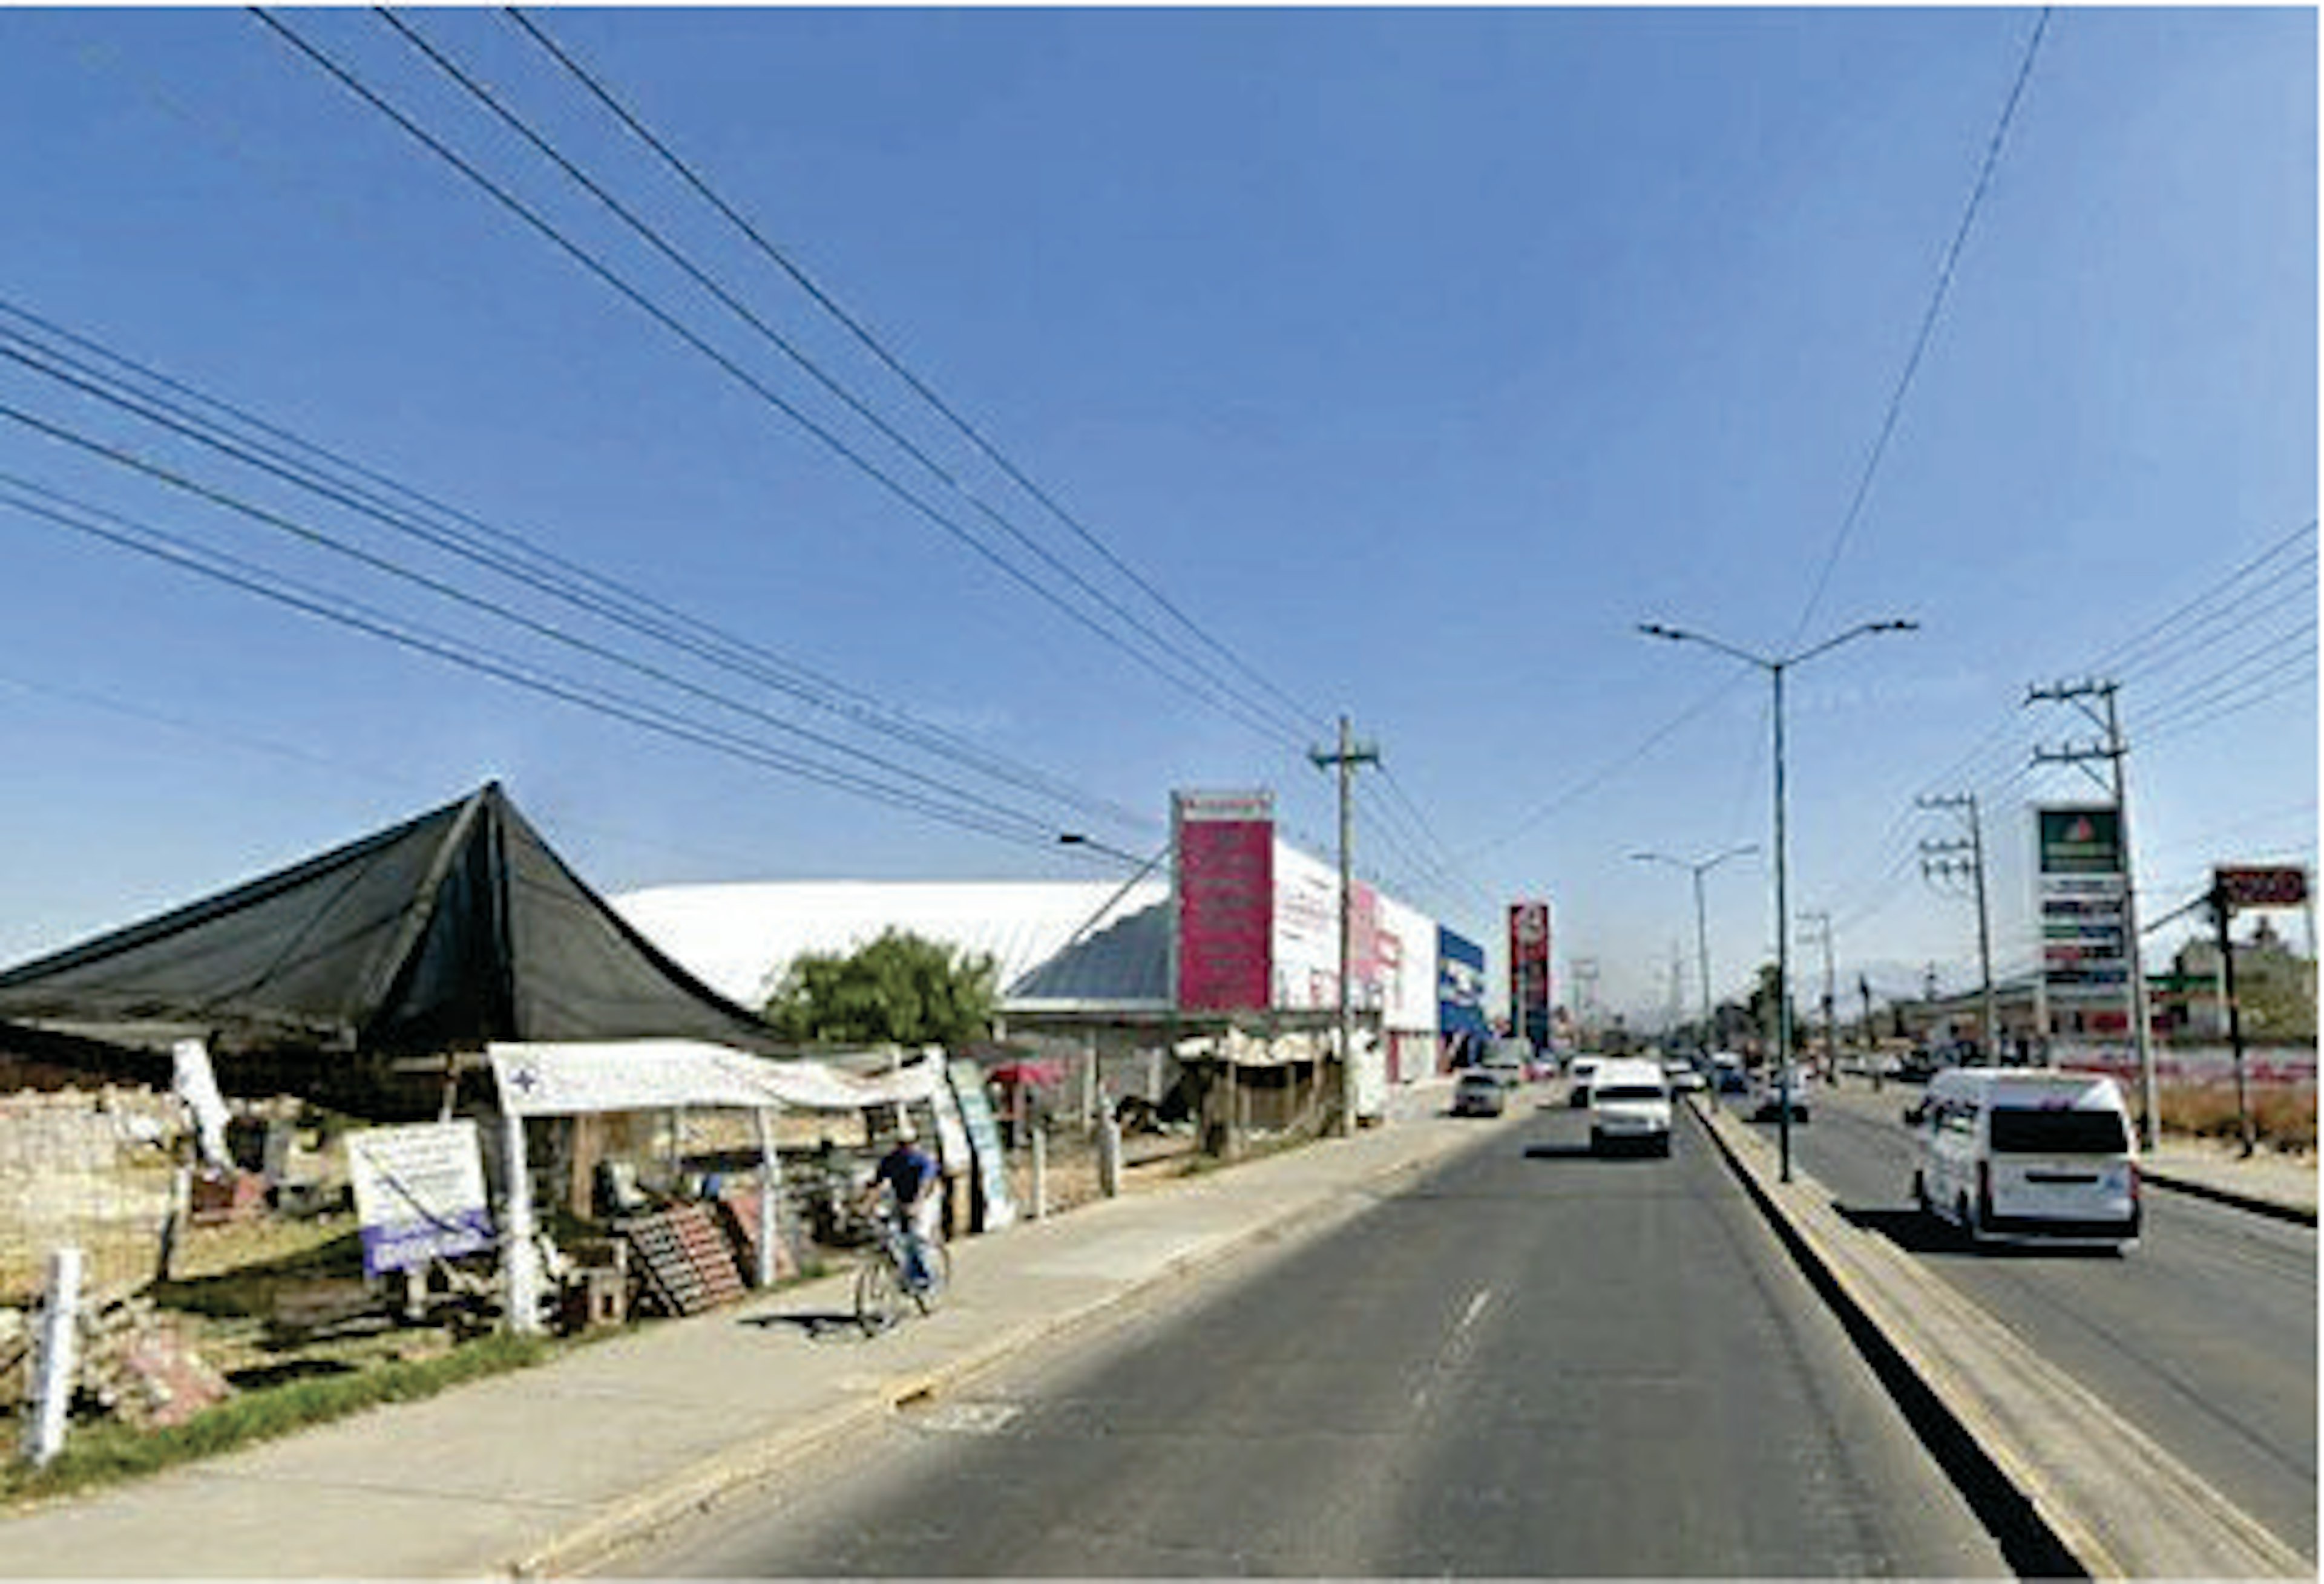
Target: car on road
[(1726, 1075), (1478, 1093), (1577, 1073), (1629, 1107), (1777, 1093), (2027, 1153), (1683, 1078)]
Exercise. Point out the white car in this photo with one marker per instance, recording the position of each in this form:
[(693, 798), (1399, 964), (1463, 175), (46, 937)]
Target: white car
[(1683, 1078), (1578, 1075), (1629, 1107)]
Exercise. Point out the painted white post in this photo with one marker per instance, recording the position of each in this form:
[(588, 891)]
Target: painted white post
[(520, 1260), (1040, 1174), (1109, 1156), (56, 1365), (771, 1193)]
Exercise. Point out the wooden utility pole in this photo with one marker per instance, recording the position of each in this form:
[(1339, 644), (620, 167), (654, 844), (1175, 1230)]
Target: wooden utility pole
[(1940, 859), (1348, 756)]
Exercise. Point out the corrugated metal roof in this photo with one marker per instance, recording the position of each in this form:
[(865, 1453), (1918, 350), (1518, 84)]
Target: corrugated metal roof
[(740, 937), (1126, 963)]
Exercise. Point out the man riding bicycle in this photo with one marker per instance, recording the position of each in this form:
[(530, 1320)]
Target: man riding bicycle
[(910, 1177)]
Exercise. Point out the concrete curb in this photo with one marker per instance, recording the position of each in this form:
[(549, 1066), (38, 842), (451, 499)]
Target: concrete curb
[(2300, 1214), (2105, 1497), (702, 1486)]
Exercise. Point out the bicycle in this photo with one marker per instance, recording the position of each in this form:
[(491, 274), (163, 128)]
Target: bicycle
[(882, 1283)]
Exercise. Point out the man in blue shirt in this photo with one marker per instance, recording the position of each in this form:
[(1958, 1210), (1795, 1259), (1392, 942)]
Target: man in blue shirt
[(909, 1174)]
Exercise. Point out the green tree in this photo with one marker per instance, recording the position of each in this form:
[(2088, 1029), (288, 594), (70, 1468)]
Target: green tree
[(901, 988), (1762, 1007)]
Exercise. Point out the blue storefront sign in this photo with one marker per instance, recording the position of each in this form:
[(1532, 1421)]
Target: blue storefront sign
[(1459, 985)]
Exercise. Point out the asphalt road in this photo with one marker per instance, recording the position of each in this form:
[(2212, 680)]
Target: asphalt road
[(2204, 1336), (1530, 1363)]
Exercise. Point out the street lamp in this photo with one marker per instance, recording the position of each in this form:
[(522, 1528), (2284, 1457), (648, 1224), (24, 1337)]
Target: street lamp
[(1702, 935), (1776, 667)]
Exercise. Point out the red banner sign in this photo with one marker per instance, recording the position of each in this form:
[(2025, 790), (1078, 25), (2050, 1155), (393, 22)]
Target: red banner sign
[(2261, 887), (1225, 847)]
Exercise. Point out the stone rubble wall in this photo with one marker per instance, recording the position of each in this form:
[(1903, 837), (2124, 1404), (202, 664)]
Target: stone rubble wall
[(94, 1170)]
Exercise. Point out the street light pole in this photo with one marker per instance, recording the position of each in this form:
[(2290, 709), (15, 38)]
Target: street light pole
[(1701, 931), (1776, 667)]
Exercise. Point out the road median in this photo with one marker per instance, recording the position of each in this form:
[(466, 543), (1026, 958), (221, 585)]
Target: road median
[(2111, 1501)]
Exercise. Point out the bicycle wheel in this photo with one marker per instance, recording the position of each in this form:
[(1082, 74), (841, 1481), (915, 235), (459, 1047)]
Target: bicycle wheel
[(879, 1294), (935, 1259)]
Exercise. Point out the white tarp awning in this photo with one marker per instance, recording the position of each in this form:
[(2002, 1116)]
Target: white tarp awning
[(655, 1074)]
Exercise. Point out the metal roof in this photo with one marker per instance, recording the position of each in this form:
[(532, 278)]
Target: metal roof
[(741, 938)]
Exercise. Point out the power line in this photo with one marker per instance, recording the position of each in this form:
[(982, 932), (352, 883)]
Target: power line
[(563, 580), (236, 572), (316, 538), (661, 244), (1928, 326), (1228, 705), (596, 86)]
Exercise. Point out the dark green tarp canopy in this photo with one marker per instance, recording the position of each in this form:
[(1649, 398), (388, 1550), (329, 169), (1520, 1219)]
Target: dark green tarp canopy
[(457, 927)]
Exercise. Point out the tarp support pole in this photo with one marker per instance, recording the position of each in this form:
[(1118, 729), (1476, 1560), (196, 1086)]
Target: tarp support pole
[(770, 1194), (520, 1260)]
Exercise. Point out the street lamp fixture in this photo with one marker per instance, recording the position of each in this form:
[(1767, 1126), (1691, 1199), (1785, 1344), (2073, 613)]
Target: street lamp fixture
[(1698, 869), (1775, 666)]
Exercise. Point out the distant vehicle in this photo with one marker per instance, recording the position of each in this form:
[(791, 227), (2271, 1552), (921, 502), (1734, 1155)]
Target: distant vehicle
[(1683, 1079), (1509, 1059), (1726, 1075), (1577, 1078), (1478, 1093), (2027, 1153), (1776, 1096), (1629, 1106)]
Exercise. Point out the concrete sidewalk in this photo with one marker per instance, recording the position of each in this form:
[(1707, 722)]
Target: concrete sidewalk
[(2283, 1186), (546, 1469)]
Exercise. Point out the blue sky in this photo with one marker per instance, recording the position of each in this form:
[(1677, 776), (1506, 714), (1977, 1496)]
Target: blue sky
[(1416, 356)]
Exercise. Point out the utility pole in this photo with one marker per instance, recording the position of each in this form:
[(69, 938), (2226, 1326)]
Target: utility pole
[(1941, 860), (1349, 756), (1584, 970), (1823, 923), (2114, 751), (2223, 912), (1871, 1039)]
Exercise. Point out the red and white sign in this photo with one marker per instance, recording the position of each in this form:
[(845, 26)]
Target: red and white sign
[(2246, 886), (1224, 847)]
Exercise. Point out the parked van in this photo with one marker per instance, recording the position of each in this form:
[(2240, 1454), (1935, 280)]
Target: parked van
[(1629, 1104), (2027, 1153)]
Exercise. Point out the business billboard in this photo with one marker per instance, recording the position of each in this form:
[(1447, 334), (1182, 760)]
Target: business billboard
[(2083, 903), (1460, 984), (1305, 937), (1529, 975), (1222, 846)]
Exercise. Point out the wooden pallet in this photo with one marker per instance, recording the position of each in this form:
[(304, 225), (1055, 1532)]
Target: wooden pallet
[(683, 1259)]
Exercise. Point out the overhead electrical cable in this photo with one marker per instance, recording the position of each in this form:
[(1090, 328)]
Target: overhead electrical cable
[(1227, 705), (656, 240), (270, 584), (314, 538), (1593, 779), (617, 605), (596, 86), (1921, 341), (2129, 648)]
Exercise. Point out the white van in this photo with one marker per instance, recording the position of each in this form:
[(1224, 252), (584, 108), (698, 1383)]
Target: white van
[(2027, 1153), (1629, 1104)]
